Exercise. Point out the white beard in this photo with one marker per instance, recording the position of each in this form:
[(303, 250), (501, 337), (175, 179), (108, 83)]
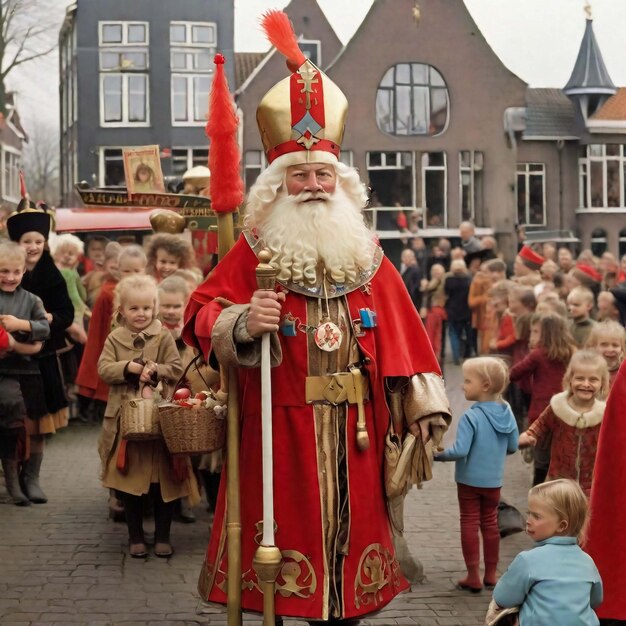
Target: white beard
[(307, 237)]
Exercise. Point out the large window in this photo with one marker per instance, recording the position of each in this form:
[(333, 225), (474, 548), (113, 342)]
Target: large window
[(192, 46), (412, 99), (602, 177), (124, 99), (186, 158), (111, 167), (471, 183), (190, 99), (11, 163), (531, 194), (391, 176), (434, 189), (124, 62)]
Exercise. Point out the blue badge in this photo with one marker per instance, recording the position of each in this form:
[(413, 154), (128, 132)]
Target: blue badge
[(288, 326), (368, 318)]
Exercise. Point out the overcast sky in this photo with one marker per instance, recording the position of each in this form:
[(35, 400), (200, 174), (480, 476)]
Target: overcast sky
[(536, 39)]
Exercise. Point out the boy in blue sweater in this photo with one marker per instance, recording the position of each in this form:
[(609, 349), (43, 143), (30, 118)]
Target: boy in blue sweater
[(486, 433)]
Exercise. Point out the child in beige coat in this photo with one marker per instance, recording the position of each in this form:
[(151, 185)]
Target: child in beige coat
[(140, 353)]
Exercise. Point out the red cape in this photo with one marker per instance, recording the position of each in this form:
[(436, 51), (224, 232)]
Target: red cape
[(606, 537), (89, 382), (398, 346)]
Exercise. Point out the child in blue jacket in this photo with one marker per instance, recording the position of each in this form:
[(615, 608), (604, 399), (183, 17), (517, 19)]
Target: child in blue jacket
[(486, 433), (555, 582)]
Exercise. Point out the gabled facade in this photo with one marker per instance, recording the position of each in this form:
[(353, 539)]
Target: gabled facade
[(137, 73), (425, 127), (443, 132), (12, 139)]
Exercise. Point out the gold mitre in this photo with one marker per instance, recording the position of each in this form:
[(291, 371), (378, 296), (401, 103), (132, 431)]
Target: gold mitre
[(303, 113)]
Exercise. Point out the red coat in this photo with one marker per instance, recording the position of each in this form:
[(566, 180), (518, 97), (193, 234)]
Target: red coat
[(574, 445), (398, 346), (545, 378), (4, 339), (89, 382), (606, 536), (506, 335)]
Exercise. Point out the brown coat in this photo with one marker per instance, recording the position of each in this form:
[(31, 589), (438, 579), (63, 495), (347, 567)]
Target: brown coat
[(148, 461)]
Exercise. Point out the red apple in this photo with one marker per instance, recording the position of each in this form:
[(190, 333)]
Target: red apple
[(202, 395), (182, 394)]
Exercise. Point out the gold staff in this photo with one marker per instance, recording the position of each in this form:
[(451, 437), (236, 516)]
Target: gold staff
[(226, 195)]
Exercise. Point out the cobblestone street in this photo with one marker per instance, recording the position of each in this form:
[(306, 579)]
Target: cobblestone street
[(66, 562)]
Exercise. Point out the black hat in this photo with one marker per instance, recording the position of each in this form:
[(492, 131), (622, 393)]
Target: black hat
[(29, 217)]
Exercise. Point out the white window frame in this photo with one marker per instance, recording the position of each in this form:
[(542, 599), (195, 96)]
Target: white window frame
[(257, 167), (584, 171), (121, 51), (190, 99), (476, 164), (386, 163), (392, 96), (432, 168), (101, 151), (189, 157), (189, 52), (188, 43), (389, 160), (124, 24), (124, 122), (190, 73), (11, 184), (527, 173)]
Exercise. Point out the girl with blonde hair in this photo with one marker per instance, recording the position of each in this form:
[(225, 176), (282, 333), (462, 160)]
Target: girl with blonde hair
[(555, 582), (136, 356), (573, 418), (608, 338)]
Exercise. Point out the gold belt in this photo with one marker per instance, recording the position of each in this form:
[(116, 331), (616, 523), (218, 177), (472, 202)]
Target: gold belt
[(339, 388)]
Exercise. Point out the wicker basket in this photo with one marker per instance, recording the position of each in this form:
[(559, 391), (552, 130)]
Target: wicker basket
[(139, 419), (192, 431)]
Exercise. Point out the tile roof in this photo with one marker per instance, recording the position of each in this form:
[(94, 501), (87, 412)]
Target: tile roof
[(549, 113), (245, 62), (614, 108)]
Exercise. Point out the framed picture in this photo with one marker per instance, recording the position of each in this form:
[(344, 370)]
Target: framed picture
[(142, 169)]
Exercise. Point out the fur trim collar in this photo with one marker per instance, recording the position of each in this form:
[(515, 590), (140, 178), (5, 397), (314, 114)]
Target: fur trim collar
[(572, 417)]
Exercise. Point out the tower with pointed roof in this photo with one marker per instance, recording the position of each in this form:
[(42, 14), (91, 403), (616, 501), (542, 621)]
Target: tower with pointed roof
[(590, 84)]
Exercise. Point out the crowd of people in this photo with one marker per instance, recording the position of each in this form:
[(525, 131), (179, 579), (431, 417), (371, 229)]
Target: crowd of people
[(541, 345), (83, 327)]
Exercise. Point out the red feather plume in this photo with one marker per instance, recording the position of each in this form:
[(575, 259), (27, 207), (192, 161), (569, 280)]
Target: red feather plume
[(279, 31), (224, 157)]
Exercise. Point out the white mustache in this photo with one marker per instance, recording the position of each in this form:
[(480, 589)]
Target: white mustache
[(305, 196)]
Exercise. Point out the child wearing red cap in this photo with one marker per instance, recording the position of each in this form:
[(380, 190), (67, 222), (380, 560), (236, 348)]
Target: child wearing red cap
[(527, 265)]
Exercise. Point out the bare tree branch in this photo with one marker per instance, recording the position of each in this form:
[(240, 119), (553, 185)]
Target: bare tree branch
[(41, 163), (27, 32)]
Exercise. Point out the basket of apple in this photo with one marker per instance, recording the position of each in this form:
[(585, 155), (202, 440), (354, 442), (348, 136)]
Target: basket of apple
[(193, 423)]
